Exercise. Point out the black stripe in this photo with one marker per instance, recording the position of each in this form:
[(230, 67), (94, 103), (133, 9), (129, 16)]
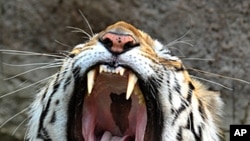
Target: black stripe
[(74, 110), (200, 132), (189, 97), (179, 135), (66, 83), (71, 55), (76, 72), (178, 112), (170, 94), (191, 86), (190, 92), (154, 109), (53, 118), (172, 110), (201, 110), (45, 92), (180, 69), (189, 121), (57, 101), (190, 126), (44, 113), (177, 87), (63, 72), (43, 134), (170, 97)]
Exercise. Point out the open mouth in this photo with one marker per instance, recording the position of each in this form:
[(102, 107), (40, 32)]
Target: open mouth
[(108, 106)]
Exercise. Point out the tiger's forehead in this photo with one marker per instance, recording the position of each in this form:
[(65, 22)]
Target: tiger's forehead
[(122, 27)]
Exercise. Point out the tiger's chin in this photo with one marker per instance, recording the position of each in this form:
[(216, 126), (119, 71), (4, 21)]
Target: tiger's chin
[(109, 105)]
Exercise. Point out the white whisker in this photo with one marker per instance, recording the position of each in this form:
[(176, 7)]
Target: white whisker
[(196, 59), (178, 42), (178, 50), (24, 65), (10, 93), (219, 75), (25, 135), (85, 19), (199, 78), (19, 125), (79, 30), (14, 116), (22, 84), (66, 54), (38, 68), (63, 44), (27, 53)]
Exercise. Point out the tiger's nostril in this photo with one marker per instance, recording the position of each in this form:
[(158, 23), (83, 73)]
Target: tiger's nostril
[(107, 43), (129, 45), (118, 43)]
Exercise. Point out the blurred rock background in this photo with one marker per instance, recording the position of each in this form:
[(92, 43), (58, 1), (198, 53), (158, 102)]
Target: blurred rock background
[(219, 32)]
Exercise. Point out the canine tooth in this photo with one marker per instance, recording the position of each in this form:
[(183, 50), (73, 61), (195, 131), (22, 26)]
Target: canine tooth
[(100, 69), (116, 71), (132, 79), (105, 69), (122, 70), (90, 81)]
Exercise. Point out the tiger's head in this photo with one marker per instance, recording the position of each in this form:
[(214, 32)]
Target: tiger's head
[(123, 70), (123, 85)]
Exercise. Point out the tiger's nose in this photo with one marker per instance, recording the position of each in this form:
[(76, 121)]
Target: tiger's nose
[(118, 43)]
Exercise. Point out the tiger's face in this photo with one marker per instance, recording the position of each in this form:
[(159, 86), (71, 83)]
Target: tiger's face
[(120, 73), (122, 85)]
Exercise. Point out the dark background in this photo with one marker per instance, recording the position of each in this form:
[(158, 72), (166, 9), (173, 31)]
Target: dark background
[(219, 32)]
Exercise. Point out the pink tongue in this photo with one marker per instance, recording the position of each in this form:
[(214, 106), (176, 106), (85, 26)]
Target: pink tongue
[(107, 136)]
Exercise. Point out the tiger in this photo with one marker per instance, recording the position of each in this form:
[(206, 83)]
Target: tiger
[(123, 85)]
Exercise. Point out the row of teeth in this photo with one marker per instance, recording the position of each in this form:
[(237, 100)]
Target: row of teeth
[(132, 80), (118, 70)]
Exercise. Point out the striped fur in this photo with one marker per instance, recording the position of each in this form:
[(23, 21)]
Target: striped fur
[(185, 109)]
